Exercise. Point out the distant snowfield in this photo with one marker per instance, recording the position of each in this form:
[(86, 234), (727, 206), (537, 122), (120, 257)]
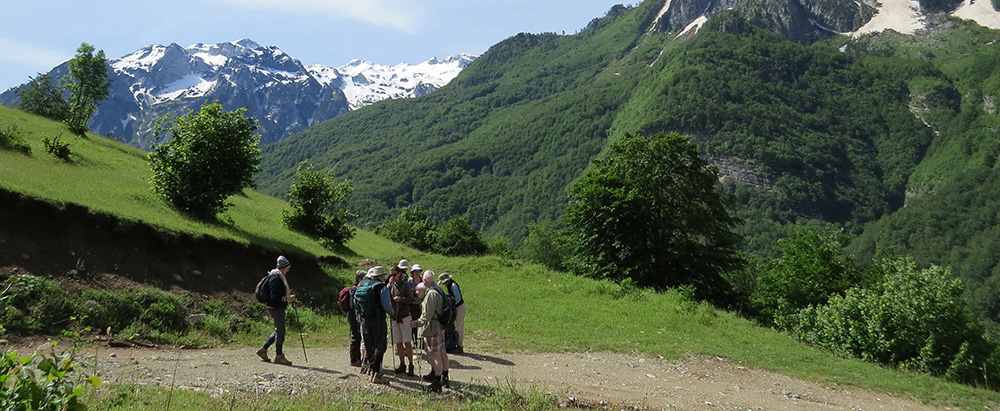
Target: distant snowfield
[(904, 16), (980, 11), (900, 15)]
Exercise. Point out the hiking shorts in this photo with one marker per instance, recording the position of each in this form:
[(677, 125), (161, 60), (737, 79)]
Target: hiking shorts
[(435, 343), (401, 331)]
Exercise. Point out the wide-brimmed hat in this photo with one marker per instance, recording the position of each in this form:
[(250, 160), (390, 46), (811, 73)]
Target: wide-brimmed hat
[(416, 267), (403, 264), (376, 271), (443, 277)]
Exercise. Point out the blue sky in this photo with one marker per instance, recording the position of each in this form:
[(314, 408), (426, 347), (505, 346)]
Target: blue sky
[(37, 35)]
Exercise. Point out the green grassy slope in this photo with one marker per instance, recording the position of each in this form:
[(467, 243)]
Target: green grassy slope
[(112, 178), (516, 306), (512, 305)]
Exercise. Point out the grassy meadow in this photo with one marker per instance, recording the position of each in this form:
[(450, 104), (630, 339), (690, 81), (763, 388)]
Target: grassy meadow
[(513, 305)]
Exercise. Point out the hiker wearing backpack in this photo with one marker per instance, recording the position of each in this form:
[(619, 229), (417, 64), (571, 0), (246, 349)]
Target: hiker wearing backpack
[(432, 330), (447, 283), (372, 302), (279, 295), (416, 276), (402, 291), (346, 301)]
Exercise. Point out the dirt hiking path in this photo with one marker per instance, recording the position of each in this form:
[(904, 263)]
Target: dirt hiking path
[(606, 380)]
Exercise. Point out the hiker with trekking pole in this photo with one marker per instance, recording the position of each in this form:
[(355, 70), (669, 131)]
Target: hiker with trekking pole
[(373, 302), (273, 290)]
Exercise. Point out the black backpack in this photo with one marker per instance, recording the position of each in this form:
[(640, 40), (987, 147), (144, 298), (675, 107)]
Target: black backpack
[(263, 291), (448, 311)]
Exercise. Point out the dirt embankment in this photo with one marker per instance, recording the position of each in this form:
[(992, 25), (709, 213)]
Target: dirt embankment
[(47, 240)]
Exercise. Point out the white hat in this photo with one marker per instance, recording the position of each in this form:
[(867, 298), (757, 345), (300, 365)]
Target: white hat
[(416, 267), (403, 264), (376, 271)]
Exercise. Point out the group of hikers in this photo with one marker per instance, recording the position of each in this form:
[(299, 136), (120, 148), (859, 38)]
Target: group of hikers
[(418, 310)]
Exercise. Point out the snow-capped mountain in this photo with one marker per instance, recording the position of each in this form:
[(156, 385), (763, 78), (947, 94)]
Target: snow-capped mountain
[(280, 92), (364, 82)]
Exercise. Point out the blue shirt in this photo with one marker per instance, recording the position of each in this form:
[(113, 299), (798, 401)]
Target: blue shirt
[(456, 293), (386, 300)]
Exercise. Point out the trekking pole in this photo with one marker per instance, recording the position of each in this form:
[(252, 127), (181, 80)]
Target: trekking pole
[(299, 321), (393, 343)]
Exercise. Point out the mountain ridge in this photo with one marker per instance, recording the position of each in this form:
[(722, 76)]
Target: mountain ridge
[(284, 95)]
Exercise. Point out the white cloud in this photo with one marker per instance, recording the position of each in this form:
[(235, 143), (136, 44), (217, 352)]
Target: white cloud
[(22, 53), (402, 15)]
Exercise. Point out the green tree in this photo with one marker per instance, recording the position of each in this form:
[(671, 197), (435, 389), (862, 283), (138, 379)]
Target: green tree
[(88, 84), (650, 212), (813, 266), (212, 154), (412, 227), (315, 198), (457, 237), (43, 97)]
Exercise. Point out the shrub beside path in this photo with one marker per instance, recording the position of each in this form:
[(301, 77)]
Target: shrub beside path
[(599, 379)]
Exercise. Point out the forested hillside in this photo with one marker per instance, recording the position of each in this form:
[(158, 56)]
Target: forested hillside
[(892, 137)]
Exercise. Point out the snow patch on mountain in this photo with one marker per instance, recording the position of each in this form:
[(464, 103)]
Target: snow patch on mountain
[(903, 16), (980, 11)]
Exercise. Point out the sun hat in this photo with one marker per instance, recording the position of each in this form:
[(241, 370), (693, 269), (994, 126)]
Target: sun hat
[(416, 267), (403, 264), (283, 262), (443, 277), (376, 271)]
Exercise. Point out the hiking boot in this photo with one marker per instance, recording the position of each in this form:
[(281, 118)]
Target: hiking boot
[(435, 385), (356, 364), (262, 353), (401, 369), (459, 350), (444, 380), (280, 359), (409, 372), (429, 377), (378, 378)]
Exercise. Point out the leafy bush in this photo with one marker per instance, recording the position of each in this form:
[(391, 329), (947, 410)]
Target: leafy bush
[(10, 139), (211, 156), (35, 305), (546, 245), (146, 310), (43, 97), (59, 149), (412, 227), (457, 237), (41, 382), (914, 318), (314, 196)]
